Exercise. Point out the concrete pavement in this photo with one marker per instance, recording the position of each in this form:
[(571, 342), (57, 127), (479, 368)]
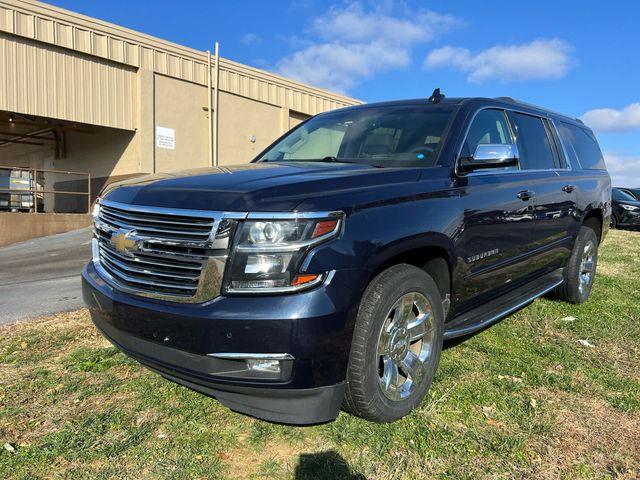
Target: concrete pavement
[(42, 276)]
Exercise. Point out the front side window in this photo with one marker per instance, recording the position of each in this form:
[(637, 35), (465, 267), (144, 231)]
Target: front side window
[(582, 147), (488, 127), (395, 136), (534, 145)]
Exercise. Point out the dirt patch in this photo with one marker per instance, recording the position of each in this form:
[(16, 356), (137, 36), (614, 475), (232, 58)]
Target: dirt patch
[(590, 437), (249, 461), (623, 356), (614, 269)]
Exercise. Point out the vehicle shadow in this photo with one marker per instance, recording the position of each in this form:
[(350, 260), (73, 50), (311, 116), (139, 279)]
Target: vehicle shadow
[(329, 465)]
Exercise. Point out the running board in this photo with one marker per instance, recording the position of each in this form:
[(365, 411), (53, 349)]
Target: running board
[(484, 315)]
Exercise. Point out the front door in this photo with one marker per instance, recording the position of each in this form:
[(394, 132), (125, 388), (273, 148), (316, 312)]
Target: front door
[(498, 218)]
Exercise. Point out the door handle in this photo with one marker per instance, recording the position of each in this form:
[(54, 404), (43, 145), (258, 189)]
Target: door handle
[(525, 195), (568, 188)]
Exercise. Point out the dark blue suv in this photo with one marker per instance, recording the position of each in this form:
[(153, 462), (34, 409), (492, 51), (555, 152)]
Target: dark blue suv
[(328, 272)]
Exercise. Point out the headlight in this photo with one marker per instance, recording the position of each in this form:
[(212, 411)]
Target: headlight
[(630, 208), (268, 252)]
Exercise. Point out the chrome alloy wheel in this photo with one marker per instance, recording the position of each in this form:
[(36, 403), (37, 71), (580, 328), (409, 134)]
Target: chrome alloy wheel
[(405, 344), (587, 267)]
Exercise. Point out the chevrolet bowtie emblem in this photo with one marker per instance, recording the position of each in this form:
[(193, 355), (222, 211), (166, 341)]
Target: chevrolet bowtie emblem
[(125, 241)]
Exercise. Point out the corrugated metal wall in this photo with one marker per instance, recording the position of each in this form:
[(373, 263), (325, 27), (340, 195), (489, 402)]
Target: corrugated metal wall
[(48, 24), (53, 82)]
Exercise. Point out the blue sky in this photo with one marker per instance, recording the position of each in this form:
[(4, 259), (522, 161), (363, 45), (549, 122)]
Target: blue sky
[(579, 58)]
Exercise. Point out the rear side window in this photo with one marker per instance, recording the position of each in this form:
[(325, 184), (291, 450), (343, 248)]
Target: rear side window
[(582, 147), (534, 145)]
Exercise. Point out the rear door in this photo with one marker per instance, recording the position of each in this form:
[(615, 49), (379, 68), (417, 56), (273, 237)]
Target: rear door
[(554, 192)]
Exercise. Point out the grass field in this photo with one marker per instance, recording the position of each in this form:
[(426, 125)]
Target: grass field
[(524, 398)]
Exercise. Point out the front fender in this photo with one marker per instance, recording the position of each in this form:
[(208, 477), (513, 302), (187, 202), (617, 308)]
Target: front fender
[(373, 236)]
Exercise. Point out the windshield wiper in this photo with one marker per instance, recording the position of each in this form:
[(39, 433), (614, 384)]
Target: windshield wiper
[(329, 159), (347, 160)]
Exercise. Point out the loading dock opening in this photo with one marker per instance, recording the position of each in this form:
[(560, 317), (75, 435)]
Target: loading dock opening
[(81, 95)]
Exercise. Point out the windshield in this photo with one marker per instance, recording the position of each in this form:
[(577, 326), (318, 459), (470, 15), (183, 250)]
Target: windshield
[(622, 196), (406, 135)]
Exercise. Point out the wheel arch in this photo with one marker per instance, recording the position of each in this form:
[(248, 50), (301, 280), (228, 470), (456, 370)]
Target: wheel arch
[(433, 255), (594, 218)]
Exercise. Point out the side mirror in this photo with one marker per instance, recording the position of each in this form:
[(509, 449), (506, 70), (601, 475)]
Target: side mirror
[(489, 156)]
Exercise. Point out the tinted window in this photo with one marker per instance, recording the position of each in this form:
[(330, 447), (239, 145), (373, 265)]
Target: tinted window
[(391, 135), (582, 147), (325, 142), (488, 127), (621, 196), (634, 193), (533, 142)]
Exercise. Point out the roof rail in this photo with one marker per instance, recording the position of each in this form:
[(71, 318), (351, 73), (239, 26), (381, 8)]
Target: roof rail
[(526, 104)]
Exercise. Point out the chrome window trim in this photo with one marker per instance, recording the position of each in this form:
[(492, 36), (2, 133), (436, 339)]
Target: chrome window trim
[(556, 132), (502, 172)]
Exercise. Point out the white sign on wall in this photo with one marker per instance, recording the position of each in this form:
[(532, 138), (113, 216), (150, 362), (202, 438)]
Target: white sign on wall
[(165, 138)]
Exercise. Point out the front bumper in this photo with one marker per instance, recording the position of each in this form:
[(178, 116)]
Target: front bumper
[(174, 340), (629, 219)]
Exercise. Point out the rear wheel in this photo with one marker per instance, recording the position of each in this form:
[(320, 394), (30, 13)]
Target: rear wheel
[(396, 345), (581, 270)]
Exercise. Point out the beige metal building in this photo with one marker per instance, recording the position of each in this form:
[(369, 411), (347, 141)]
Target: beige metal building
[(82, 95)]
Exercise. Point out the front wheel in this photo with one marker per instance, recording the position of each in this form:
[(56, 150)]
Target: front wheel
[(614, 222), (396, 345)]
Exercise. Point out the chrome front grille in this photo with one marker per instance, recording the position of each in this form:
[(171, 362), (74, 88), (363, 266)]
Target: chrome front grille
[(164, 226), (169, 254)]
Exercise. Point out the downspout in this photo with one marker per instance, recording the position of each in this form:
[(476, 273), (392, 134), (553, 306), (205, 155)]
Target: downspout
[(153, 119), (210, 107), (215, 106)]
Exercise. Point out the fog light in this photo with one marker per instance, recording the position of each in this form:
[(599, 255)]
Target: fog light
[(95, 250), (268, 366)]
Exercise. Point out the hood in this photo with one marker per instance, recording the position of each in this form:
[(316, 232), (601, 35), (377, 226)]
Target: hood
[(254, 186), (634, 203)]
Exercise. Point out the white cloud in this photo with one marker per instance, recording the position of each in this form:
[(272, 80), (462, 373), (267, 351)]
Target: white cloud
[(624, 169), (541, 59), (351, 44), (250, 38), (611, 120)]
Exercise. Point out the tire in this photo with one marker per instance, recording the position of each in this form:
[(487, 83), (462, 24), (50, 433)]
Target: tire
[(614, 222), (581, 269), (389, 372)]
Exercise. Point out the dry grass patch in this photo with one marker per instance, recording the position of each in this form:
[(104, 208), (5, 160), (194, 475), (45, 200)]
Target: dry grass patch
[(276, 458), (590, 438)]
